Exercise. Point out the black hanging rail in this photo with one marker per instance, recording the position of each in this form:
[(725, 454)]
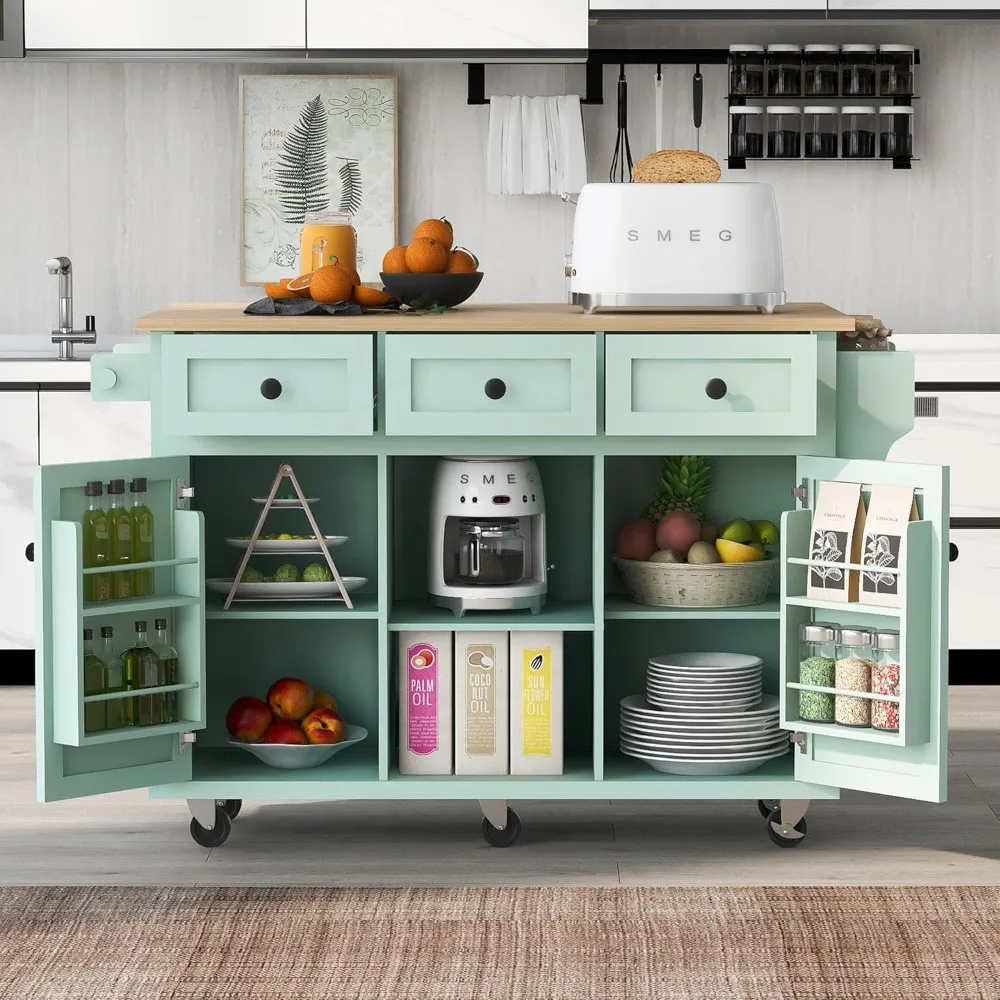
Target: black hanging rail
[(599, 58)]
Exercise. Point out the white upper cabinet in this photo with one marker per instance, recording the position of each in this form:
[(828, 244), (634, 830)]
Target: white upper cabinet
[(714, 7), (449, 27), (155, 25), (955, 8)]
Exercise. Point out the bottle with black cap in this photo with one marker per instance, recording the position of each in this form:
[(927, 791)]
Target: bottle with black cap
[(120, 530), (141, 670), (169, 673), (142, 537), (94, 719), (96, 546), (113, 678)]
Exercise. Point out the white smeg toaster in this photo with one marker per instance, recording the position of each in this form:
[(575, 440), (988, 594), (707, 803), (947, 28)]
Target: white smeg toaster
[(673, 245)]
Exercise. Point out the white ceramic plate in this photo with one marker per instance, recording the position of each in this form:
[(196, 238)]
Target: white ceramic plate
[(709, 769), (699, 690), (637, 704), (286, 504), (718, 662), (687, 722), (704, 749), (703, 680), (701, 704), (667, 755), (293, 757), (694, 733), (287, 546), (287, 591)]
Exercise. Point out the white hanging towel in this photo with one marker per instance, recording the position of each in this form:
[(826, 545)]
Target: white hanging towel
[(495, 168), (513, 148), (536, 147), (572, 148)]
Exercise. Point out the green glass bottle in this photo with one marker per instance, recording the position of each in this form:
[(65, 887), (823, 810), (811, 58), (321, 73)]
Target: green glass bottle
[(142, 537), (141, 670), (120, 532), (94, 717), (96, 546), (169, 671), (114, 679)]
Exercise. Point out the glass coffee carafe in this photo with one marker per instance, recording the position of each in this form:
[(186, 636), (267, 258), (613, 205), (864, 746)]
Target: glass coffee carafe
[(490, 553)]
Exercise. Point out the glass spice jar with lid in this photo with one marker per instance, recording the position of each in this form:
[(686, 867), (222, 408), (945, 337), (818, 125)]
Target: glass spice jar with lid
[(895, 131), (746, 132), (817, 660), (886, 675), (819, 70), (784, 133), (853, 672), (820, 128), (857, 133), (857, 74), (784, 70), (746, 70), (896, 70)]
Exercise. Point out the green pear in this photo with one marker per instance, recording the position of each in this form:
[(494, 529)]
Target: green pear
[(766, 532), (737, 530), (759, 546)]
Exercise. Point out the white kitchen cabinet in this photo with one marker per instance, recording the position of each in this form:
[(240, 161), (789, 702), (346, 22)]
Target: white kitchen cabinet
[(18, 458), (449, 26), (74, 428), (973, 588), (951, 7), (155, 25), (717, 7)]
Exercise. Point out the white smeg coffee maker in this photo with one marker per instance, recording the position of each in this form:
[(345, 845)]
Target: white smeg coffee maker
[(487, 535)]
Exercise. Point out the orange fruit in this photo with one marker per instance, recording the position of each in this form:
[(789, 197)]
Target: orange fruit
[(300, 285), (370, 298), (355, 277), (331, 283), (278, 290), (461, 261), (435, 229), (426, 256), (394, 262)]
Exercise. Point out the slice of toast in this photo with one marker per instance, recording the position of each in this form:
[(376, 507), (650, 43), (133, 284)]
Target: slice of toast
[(676, 166)]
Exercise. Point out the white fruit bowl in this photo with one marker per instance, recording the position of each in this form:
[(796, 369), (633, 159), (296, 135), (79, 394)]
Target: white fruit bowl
[(686, 585), (292, 756)]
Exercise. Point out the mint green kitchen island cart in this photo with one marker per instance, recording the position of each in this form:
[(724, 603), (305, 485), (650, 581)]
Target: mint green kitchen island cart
[(363, 409)]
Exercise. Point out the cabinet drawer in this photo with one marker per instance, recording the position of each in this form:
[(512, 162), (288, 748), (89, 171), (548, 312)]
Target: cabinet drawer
[(479, 384), (272, 386), (714, 384), (974, 579)]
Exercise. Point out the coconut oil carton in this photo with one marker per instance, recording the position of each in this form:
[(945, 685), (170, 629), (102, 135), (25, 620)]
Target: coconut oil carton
[(482, 685), (536, 703), (425, 702)]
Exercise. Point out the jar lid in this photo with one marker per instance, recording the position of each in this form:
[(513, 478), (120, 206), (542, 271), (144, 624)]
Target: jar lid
[(887, 638), (858, 49), (828, 49), (861, 110), (746, 111), (813, 110), (854, 637), (777, 109), (891, 110), (897, 48), (817, 632), (747, 48), (793, 49)]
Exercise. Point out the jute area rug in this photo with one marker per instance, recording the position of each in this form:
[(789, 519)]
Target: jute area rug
[(486, 944)]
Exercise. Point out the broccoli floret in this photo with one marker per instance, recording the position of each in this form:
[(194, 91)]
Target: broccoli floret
[(252, 575), (317, 573), (286, 573)]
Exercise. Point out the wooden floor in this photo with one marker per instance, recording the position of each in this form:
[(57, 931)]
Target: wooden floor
[(860, 839)]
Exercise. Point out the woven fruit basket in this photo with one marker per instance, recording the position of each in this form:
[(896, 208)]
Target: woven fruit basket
[(684, 585)]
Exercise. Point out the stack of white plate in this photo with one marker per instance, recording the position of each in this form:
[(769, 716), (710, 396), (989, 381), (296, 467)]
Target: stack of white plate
[(703, 714)]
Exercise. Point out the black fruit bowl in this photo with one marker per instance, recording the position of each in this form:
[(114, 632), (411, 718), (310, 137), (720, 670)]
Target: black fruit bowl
[(425, 291)]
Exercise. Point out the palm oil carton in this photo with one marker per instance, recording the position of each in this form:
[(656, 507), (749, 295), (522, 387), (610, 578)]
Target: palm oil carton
[(536, 703), (482, 685), (425, 702)]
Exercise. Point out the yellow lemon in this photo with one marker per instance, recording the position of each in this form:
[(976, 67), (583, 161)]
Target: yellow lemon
[(284, 536), (737, 552)]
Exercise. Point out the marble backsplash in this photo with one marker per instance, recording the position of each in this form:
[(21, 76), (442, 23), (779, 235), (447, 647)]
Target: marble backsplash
[(132, 169)]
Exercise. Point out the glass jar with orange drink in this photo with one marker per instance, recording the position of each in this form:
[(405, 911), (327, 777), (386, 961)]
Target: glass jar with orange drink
[(327, 238)]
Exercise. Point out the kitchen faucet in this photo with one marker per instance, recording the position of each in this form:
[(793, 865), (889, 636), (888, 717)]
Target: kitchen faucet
[(66, 336)]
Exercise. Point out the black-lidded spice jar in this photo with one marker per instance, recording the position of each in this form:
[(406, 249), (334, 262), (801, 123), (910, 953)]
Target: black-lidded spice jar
[(746, 132), (857, 75), (746, 70), (895, 132), (784, 133), (784, 70), (857, 133), (896, 70), (820, 128), (819, 70)]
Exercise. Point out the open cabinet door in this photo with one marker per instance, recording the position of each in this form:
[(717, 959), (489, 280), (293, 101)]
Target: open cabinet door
[(910, 763), (75, 757)]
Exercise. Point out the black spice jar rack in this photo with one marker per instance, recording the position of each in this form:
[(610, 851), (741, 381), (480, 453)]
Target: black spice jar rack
[(821, 102)]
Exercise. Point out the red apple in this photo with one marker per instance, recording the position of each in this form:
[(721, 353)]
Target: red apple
[(636, 540), (324, 700), (323, 725), (678, 531), (283, 731), (290, 698), (247, 719)]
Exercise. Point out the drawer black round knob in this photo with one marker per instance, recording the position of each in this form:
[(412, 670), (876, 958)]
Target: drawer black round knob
[(496, 388), (270, 388), (715, 388), (29, 552), (952, 552)]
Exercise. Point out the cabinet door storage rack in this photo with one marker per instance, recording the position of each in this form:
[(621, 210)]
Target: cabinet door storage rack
[(801, 414)]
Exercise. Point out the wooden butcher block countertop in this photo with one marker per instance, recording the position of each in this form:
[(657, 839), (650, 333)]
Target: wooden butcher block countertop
[(220, 317)]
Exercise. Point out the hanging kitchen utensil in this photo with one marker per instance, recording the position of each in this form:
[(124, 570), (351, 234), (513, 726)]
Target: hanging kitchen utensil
[(658, 94), (621, 162), (698, 93)]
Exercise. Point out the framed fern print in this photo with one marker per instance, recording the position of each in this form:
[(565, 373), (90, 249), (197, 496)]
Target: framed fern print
[(315, 144)]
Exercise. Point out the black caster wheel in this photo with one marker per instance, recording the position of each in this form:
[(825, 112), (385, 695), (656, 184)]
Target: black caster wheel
[(774, 821), (232, 807), (506, 837), (767, 806), (219, 833)]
